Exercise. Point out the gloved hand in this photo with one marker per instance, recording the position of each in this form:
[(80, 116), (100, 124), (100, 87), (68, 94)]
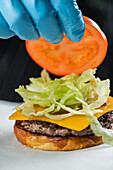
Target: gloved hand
[(31, 19)]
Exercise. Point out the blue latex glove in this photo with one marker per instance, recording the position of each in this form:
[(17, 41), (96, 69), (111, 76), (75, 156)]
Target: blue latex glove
[(31, 19)]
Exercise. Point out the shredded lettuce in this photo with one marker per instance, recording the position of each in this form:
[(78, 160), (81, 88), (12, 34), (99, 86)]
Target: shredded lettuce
[(41, 113), (27, 108), (74, 94), (63, 94), (101, 88), (107, 134)]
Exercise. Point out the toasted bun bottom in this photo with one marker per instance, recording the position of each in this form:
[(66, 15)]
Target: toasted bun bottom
[(55, 143)]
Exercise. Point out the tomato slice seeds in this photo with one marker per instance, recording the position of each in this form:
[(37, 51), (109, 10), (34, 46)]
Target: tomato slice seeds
[(70, 57)]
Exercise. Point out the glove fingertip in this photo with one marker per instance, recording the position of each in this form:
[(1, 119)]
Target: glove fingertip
[(76, 35), (57, 40)]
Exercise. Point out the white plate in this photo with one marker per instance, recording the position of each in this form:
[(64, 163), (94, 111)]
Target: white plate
[(15, 156)]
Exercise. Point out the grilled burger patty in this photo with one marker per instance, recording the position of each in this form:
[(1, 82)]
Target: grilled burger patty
[(51, 129)]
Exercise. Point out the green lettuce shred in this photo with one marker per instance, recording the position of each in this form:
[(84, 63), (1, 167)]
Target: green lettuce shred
[(107, 134), (72, 94), (63, 94)]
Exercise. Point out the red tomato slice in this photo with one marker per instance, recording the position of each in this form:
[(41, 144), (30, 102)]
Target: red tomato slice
[(71, 57)]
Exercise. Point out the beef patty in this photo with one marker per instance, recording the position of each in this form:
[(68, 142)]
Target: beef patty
[(51, 129)]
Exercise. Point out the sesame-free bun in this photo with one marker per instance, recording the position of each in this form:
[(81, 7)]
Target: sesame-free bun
[(55, 143)]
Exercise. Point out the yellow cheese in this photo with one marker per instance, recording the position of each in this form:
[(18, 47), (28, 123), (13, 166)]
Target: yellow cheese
[(76, 122)]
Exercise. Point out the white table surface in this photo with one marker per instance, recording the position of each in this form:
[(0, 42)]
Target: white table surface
[(15, 156)]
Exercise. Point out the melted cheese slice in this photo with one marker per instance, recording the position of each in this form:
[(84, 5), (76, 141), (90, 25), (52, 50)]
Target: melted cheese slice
[(76, 122)]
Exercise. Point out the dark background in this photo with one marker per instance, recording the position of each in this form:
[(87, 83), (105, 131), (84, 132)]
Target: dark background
[(16, 66)]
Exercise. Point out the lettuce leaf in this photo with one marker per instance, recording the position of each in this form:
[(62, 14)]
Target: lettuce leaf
[(63, 93), (102, 90), (107, 134)]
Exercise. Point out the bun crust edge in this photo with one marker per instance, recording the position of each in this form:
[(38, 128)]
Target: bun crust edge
[(55, 143)]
